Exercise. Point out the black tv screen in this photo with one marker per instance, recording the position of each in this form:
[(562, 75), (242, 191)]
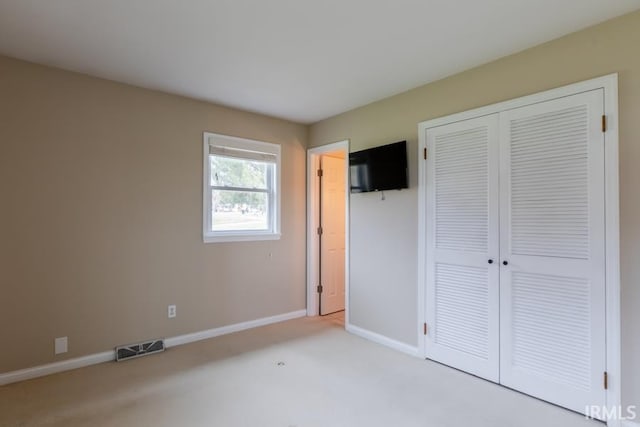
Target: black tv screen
[(379, 169)]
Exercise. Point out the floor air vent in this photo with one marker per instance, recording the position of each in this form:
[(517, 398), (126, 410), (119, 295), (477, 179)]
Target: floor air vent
[(125, 352)]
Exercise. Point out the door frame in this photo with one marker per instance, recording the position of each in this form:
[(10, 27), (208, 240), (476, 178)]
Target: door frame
[(609, 84), (313, 161)]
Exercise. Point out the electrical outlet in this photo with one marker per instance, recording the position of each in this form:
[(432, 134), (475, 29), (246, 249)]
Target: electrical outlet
[(171, 311), (61, 345)]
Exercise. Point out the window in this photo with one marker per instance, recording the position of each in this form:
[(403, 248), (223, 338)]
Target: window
[(241, 189)]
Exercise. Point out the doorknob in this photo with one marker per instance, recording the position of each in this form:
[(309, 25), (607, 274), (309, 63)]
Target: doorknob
[(505, 262)]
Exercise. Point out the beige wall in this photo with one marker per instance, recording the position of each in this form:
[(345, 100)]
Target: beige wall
[(383, 277), (101, 213)]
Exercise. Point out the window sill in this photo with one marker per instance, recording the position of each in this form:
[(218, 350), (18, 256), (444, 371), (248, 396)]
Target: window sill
[(249, 237)]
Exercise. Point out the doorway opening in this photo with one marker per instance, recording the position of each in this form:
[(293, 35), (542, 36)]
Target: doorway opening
[(328, 230)]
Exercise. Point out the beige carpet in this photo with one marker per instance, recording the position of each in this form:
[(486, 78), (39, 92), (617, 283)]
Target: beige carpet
[(302, 373)]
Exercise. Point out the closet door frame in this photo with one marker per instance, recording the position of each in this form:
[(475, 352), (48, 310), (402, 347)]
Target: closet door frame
[(609, 84)]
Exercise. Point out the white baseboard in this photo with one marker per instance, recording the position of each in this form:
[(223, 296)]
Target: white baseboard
[(381, 339), (223, 330), (52, 368), (108, 356)]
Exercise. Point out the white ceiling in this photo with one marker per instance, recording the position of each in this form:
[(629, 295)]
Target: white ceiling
[(302, 60)]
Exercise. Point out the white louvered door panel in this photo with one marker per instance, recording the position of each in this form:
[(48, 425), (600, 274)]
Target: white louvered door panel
[(552, 292), (462, 299)]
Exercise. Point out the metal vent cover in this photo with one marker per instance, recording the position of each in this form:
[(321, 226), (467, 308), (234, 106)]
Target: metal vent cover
[(131, 351)]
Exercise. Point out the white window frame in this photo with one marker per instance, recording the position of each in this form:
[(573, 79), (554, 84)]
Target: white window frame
[(250, 146)]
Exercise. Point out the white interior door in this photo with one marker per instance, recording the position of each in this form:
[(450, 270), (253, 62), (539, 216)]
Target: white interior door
[(332, 248), (552, 317), (462, 271)]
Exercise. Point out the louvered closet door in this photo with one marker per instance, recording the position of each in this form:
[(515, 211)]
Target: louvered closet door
[(462, 236), (552, 320)]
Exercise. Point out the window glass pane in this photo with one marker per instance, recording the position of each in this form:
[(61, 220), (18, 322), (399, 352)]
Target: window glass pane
[(230, 172), (239, 210)]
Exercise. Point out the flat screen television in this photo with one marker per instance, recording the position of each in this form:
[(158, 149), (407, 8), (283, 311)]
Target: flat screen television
[(379, 169)]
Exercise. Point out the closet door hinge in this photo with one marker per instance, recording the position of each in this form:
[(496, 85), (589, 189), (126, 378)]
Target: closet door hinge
[(604, 123), (319, 231), (320, 172), (424, 328), (606, 381), (319, 289), (425, 153)]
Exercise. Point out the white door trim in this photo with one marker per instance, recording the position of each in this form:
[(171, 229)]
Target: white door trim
[(313, 158), (612, 225)]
